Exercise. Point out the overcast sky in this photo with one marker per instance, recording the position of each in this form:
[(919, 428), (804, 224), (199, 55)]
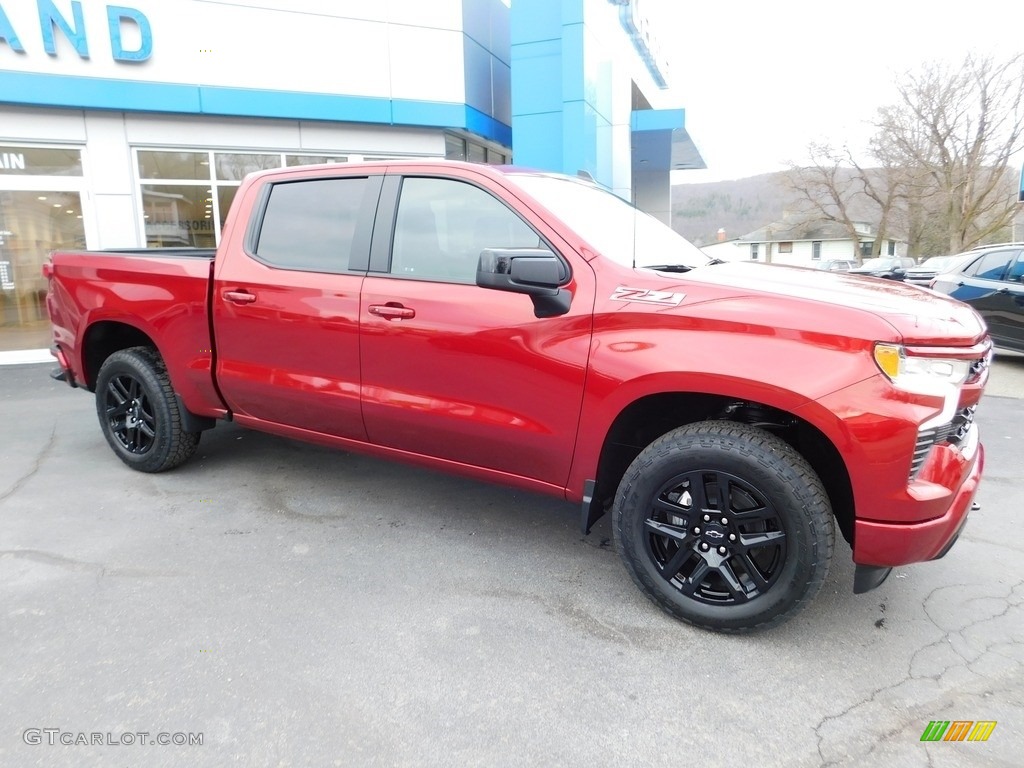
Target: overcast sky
[(761, 80)]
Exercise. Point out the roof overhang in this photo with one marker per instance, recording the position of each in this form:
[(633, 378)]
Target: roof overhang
[(660, 141)]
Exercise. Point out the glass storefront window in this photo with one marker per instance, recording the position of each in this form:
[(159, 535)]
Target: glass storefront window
[(476, 154), (31, 225), (235, 166), (293, 160), (174, 165), (225, 196), (454, 147), (178, 216), (36, 161)]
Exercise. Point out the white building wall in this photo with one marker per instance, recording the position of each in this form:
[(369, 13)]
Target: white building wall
[(730, 250), (800, 256), (839, 249), (340, 46)]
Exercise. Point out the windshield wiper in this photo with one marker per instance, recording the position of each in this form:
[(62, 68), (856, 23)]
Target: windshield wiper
[(667, 267), (680, 267)]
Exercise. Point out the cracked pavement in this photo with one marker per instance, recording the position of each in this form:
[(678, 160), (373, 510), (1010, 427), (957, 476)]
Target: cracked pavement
[(300, 606)]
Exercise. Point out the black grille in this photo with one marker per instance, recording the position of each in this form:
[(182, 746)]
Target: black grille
[(952, 433), (978, 367), (961, 425), (926, 438)]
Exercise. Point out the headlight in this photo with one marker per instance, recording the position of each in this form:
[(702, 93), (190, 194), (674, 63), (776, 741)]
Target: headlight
[(920, 373)]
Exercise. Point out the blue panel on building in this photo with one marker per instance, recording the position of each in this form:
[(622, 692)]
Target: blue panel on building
[(96, 93), (538, 140), (657, 119), (485, 125), (284, 104), (479, 88), (534, 20), (537, 66)]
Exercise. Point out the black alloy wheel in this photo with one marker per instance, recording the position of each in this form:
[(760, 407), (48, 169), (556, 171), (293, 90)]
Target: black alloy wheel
[(138, 412), (715, 538), (725, 526), (129, 414)]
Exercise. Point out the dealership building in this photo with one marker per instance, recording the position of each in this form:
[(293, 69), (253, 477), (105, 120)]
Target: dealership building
[(133, 125)]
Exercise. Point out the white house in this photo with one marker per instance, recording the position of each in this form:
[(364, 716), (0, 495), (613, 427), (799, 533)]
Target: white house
[(803, 244)]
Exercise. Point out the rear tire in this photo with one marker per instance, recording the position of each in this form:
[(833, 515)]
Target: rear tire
[(724, 526), (138, 412)]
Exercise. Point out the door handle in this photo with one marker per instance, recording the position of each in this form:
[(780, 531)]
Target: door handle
[(239, 297), (392, 311)]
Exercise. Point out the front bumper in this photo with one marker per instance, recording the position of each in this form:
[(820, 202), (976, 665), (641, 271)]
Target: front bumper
[(889, 544)]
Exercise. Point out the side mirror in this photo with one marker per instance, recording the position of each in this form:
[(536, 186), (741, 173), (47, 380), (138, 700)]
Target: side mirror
[(536, 272)]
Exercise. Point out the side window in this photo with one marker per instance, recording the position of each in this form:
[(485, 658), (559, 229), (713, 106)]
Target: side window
[(1016, 273), (991, 266), (442, 225), (310, 225)]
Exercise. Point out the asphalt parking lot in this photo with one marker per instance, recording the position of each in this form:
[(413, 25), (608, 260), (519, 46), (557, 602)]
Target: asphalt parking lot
[(297, 607)]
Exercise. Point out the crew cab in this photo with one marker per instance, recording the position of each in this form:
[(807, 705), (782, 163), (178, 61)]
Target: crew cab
[(537, 331)]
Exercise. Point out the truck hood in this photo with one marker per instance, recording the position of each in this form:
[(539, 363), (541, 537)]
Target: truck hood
[(918, 315)]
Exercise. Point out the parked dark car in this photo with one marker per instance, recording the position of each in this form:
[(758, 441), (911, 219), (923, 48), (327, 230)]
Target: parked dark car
[(932, 267), (889, 267), (992, 281)]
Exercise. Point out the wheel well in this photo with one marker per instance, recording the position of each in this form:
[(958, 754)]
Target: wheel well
[(104, 339), (647, 419)]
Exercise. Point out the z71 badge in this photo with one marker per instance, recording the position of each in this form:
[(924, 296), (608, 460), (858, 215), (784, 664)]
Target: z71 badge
[(664, 298)]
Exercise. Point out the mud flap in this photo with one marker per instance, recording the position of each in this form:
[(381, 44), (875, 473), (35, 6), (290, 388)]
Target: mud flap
[(592, 511), (868, 577)]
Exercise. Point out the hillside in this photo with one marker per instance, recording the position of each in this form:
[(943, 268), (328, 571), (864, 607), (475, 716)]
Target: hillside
[(739, 206)]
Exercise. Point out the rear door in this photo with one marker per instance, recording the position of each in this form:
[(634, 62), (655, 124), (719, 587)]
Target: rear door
[(460, 372), (286, 304), (992, 285), (1005, 316)]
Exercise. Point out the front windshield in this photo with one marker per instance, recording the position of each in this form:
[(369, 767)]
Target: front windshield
[(609, 224), (878, 263), (939, 262)]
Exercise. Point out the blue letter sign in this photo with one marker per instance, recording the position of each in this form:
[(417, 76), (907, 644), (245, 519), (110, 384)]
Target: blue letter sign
[(49, 17), (116, 16), (7, 33)]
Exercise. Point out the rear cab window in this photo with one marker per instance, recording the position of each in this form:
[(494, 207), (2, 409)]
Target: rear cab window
[(317, 225)]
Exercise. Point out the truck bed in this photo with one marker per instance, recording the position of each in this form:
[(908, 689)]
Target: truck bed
[(140, 295), (179, 252)]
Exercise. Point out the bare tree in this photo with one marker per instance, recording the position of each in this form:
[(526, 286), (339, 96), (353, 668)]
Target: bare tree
[(954, 131), (941, 155), (836, 188)]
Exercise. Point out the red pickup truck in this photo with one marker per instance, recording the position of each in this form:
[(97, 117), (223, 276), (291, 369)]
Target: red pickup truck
[(534, 330)]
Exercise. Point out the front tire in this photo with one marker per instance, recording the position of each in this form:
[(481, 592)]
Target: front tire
[(724, 526), (138, 412)]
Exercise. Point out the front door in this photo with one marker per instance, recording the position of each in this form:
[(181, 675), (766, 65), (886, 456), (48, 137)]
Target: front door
[(461, 372)]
